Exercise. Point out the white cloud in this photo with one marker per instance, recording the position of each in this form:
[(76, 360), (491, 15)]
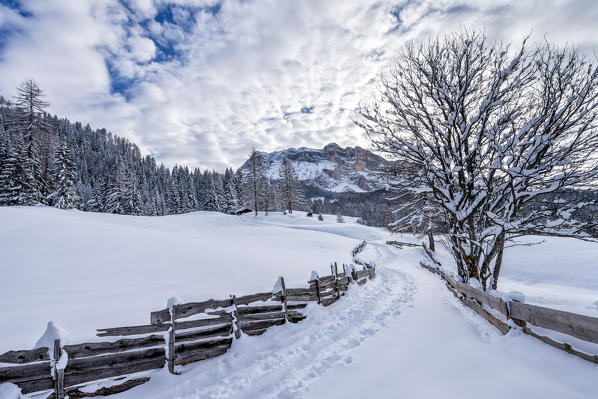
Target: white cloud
[(241, 76)]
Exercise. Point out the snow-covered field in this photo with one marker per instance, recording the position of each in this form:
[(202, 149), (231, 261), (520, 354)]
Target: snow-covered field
[(401, 335)]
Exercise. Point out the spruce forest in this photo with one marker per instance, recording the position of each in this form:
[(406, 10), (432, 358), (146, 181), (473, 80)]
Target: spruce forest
[(49, 160)]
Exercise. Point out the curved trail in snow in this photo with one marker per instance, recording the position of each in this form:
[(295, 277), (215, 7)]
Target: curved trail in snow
[(400, 335), (283, 362)]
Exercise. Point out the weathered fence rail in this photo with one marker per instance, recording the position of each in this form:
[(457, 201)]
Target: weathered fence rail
[(579, 326), (182, 334)]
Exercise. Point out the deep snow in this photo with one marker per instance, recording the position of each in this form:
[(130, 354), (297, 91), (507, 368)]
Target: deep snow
[(401, 335)]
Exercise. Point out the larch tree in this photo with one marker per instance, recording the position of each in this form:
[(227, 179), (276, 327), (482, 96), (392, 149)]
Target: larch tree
[(30, 101), (290, 187), (491, 129)]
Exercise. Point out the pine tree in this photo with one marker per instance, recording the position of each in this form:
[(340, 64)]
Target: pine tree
[(11, 175), (212, 203), (190, 194), (231, 201), (237, 181), (339, 218), (64, 178), (131, 192), (115, 193), (4, 144), (30, 193), (255, 182), (290, 187)]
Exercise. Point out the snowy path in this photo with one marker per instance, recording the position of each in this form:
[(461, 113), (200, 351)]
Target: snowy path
[(401, 335), (286, 361), (439, 348)]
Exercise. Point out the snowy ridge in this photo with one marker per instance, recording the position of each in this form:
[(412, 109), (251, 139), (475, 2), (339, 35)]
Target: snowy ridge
[(331, 168)]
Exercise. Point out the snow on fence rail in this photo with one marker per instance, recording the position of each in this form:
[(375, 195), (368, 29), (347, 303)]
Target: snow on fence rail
[(181, 334), (499, 311)]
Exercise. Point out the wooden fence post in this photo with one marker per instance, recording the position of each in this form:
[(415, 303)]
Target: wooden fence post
[(171, 341), (235, 322), (334, 269), (58, 373), (316, 283), (520, 323), (284, 298)]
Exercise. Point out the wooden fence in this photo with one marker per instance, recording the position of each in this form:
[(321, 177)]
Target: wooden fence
[(184, 334), (499, 311)]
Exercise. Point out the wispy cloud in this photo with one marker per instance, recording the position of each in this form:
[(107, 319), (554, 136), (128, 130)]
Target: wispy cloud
[(201, 81)]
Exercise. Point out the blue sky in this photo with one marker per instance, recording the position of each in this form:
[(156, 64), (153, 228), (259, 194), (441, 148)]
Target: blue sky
[(200, 82)]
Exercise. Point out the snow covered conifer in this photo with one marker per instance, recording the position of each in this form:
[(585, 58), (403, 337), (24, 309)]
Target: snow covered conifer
[(237, 181), (11, 175), (339, 218), (290, 188), (64, 178), (255, 183), (133, 204), (212, 202), (116, 201), (231, 201)]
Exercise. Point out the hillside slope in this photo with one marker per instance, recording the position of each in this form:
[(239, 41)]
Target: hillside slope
[(401, 333)]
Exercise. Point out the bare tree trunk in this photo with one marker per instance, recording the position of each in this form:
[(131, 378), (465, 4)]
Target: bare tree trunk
[(30, 132), (254, 185), (498, 264), (255, 198), (496, 251), (431, 241)]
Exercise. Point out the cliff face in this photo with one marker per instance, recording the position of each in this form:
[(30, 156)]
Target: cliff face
[(331, 168)]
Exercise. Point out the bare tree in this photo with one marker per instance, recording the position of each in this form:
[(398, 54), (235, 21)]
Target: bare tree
[(490, 130), (30, 100), (290, 187)]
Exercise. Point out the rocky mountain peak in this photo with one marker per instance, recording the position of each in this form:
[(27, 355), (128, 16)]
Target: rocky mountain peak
[(332, 168)]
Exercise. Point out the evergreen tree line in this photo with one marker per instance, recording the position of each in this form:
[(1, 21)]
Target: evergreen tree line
[(53, 161), (372, 208)]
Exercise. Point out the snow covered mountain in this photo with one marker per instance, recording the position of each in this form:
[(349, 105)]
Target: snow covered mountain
[(331, 168)]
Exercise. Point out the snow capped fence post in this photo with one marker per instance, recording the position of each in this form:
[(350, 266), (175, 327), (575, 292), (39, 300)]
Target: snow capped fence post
[(52, 340), (235, 322), (58, 370), (172, 303), (171, 338), (313, 283), (334, 270), (284, 298)]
